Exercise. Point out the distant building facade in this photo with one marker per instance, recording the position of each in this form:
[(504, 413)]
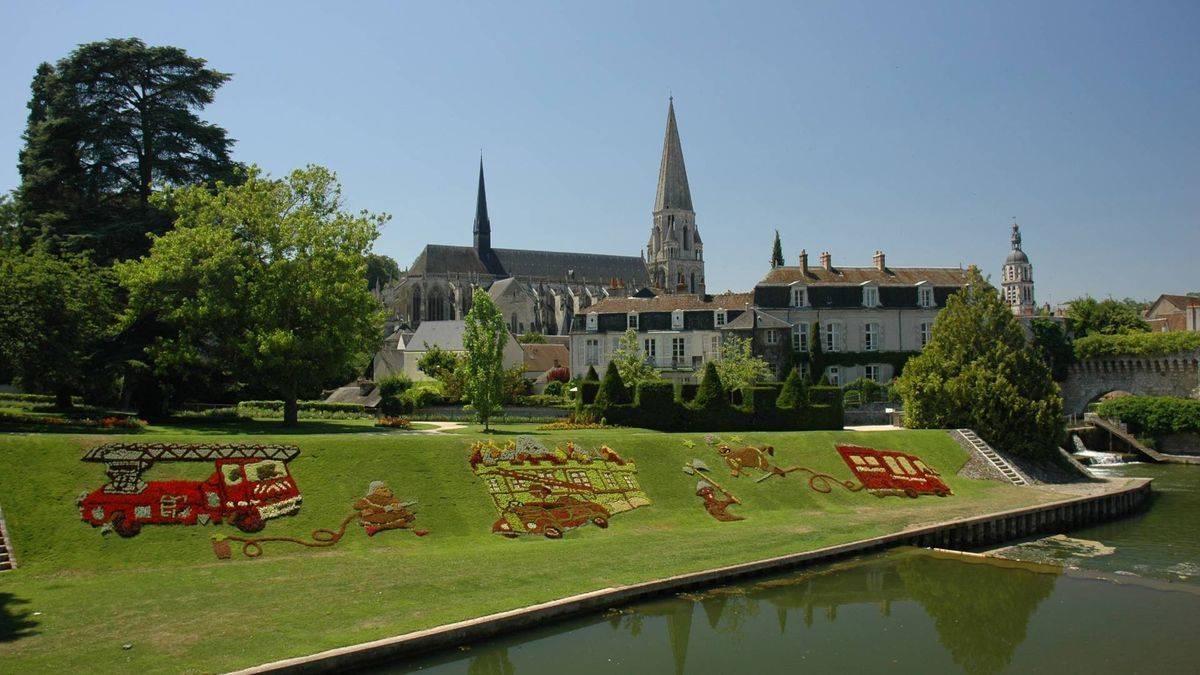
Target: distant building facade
[(676, 333), (1017, 278), (1171, 313), (864, 317)]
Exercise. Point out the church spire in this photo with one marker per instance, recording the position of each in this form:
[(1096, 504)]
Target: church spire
[(673, 191), (483, 227)]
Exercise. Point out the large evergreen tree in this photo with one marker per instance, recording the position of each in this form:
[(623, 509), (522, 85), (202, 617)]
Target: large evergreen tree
[(106, 125), (264, 279), (978, 371), (777, 252), (612, 388)]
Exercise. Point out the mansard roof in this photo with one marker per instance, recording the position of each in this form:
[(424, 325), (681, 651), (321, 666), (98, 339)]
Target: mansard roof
[(668, 303), (584, 268), (673, 190), (890, 276)]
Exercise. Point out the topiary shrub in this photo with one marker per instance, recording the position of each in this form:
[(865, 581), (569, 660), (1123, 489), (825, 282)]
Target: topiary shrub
[(587, 392), (591, 375), (612, 389), (794, 393), (711, 395), (392, 391), (554, 388)]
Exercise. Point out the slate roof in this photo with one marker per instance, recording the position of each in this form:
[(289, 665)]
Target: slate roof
[(891, 276), (445, 334), (667, 303), (673, 191), (583, 268), (746, 321), (541, 357)]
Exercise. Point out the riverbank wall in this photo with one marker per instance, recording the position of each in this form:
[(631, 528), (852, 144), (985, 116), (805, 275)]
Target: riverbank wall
[(1116, 499)]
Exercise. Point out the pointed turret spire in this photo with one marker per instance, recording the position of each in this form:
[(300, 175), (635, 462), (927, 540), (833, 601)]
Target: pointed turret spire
[(673, 191), (483, 227)]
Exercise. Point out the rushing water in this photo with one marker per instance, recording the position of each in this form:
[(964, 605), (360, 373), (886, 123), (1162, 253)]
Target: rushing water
[(1120, 597)]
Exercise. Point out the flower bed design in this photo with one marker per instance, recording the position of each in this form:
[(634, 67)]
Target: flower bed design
[(717, 499), (250, 484), (541, 491), (394, 422), (888, 472)]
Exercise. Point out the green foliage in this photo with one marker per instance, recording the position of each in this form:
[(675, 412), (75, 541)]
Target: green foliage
[(777, 252), (392, 399), (978, 371), (819, 361), (738, 366), (794, 393), (106, 124), (816, 356), (1088, 316), (711, 395), (516, 385), (612, 388), (532, 338), (445, 367), (631, 361), (1136, 344), (422, 397), (588, 390), (380, 270), (54, 320), (483, 368), (591, 375), (264, 279), (1154, 415), (554, 388), (1051, 341)]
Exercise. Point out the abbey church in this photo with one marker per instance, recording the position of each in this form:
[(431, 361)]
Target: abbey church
[(545, 291)]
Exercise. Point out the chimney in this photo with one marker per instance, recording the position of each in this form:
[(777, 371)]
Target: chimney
[(804, 262), (878, 261), (826, 261)]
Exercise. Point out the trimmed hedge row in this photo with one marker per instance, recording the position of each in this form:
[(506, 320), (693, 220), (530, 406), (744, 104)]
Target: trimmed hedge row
[(303, 406), (1135, 344), (656, 407), (1154, 415)]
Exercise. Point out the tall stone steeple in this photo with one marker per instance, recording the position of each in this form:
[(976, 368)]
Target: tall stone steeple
[(1017, 278), (675, 253), (483, 227)]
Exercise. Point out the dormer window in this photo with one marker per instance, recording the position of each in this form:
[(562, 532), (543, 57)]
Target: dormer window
[(870, 296), (592, 322), (924, 295), (799, 296), (677, 319), (632, 321), (719, 317)]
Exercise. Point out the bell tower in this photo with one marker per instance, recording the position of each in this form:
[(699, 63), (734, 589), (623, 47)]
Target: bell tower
[(675, 253), (1017, 278)]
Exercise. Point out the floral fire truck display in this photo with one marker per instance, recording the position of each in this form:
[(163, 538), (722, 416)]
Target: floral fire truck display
[(888, 472), (547, 492), (249, 485)]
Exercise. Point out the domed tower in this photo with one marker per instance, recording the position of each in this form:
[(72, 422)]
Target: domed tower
[(674, 254), (1018, 278)]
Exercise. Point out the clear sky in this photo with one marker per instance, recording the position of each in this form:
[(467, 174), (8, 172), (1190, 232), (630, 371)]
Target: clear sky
[(919, 128)]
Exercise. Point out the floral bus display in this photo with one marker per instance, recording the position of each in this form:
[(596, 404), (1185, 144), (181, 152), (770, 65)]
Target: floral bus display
[(888, 472)]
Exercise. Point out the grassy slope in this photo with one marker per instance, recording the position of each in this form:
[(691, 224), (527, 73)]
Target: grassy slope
[(182, 609)]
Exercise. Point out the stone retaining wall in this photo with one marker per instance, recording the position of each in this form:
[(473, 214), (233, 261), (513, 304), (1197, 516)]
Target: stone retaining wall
[(1171, 375)]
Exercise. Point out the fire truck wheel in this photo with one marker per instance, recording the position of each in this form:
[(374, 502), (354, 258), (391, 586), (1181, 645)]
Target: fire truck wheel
[(910, 493), (941, 493), (600, 522), (553, 533), (250, 522), (509, 535), (125, 527)]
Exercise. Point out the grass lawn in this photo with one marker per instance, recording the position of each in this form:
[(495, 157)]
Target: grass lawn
[(79, 597)]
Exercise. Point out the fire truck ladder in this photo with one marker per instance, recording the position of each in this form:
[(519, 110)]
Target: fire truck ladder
[(7, 561), (1007, 470), (198, 452)]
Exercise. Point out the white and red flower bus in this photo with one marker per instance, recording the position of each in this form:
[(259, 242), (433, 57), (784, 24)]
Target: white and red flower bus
[(884, 472)]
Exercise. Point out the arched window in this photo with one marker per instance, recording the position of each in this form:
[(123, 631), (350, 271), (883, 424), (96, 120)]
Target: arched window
[(687, 241), (416, 306)]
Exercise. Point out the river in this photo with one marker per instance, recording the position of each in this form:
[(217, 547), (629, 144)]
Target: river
[(1119, 597)]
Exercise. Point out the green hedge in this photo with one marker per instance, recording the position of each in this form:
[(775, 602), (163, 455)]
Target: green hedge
[(656, 407), (1135, 344), (304, 406), (1154, 415)]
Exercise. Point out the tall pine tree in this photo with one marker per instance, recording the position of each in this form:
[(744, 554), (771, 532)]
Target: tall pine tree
[(777, 252)]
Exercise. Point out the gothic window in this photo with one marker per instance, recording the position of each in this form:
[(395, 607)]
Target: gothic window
[(416, 306), (694, 287), (687, 241)]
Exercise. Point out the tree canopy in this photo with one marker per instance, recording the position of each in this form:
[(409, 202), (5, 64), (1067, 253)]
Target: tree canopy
[(54, 320), (978, 371), (484, 337), (106, 124), (380, 270), (630, 361), (1087, 316), (738, 366), (264, 279), (612, 388)]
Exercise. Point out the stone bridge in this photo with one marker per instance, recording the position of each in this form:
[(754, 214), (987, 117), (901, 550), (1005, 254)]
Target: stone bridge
[(1169, 375)]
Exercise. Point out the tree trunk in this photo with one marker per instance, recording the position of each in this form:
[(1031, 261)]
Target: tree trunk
[(291, 411), (62, 399)]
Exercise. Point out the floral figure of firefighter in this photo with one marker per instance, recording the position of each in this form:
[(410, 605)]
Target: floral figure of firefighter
[(381, 510)]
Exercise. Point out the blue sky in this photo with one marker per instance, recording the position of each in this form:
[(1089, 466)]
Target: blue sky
[(919, 128)]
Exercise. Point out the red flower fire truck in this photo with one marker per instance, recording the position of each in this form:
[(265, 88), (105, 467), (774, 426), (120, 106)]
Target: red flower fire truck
[(251, 484), (884, 472)]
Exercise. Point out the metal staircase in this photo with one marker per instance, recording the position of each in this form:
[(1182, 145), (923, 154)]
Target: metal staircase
[(7, 562), (992, 456)]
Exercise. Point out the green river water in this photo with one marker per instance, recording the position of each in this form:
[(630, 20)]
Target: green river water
[(1120, 597)]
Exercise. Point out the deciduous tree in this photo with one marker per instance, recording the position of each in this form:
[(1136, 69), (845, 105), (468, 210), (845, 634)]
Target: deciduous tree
[(264, 279), (484, 337), (631, 362), (738, 366)]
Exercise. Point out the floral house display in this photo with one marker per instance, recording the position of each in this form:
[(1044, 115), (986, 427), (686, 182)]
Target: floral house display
[(377, 511), (250, 484), (887, 472), (547, 492)]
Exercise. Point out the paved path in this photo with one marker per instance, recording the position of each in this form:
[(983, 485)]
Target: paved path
[(439, 427), (875, 427)]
